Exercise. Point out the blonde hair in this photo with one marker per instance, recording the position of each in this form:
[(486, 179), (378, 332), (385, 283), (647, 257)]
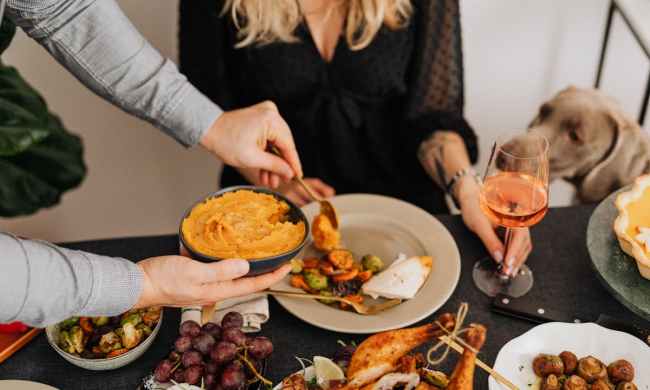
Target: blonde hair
[(265, 21)]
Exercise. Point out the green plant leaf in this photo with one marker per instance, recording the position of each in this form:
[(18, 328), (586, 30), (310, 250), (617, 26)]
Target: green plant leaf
[(7, 32), (22, 192), (39, 158), (14, 140)]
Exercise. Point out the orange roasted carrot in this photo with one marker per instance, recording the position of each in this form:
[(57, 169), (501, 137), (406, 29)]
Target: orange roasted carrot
[(85, 324), (117, 352), (365, 275), (298, 281), (310, 262), (346, 276), (341, 258), (326, 268)]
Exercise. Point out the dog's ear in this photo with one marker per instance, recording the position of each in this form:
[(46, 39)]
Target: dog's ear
[(568, 90), (543, 113), (625, 160)]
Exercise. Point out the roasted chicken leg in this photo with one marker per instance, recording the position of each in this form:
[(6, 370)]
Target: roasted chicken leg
[(463, 376), (379, 354)]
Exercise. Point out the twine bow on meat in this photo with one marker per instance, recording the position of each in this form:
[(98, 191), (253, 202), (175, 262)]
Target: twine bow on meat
[(453, 335)]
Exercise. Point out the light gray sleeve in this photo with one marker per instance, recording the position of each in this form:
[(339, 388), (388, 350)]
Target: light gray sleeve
[(41, 284), (96, 42)]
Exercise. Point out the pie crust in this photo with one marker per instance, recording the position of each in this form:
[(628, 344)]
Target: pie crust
[(627, 204)]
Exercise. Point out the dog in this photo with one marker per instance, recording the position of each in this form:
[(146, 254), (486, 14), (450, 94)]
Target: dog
[(593, 143)]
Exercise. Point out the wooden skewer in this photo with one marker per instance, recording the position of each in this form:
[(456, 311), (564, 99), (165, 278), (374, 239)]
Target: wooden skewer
[(498, 377)]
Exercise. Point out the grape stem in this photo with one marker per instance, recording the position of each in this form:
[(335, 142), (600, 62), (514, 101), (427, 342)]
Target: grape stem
[(253, 370), (175, 367)]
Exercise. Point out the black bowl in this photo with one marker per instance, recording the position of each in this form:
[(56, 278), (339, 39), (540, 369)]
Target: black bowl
[(257, 266)]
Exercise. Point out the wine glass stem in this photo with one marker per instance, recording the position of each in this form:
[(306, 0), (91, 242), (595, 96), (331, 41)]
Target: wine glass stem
[(506, 247)]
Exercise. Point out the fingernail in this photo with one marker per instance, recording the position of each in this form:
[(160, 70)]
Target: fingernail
[(498, 256), (509, 269)]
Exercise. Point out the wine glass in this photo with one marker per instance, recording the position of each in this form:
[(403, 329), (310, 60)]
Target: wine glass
[(514, 195)]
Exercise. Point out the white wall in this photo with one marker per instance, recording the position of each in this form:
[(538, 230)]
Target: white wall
[(520, 53), (517, 54), (139, 181)]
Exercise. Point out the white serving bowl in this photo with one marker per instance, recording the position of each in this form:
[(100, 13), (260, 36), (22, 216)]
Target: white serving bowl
[(52, 333), (515, 359)]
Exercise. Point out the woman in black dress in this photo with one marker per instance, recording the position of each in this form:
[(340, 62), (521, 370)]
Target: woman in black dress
[(371, 89)]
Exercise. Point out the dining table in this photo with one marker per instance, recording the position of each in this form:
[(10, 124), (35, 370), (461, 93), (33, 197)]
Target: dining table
[(564, 279)]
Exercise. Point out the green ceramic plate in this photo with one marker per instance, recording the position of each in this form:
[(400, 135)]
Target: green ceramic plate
[(615, 269)]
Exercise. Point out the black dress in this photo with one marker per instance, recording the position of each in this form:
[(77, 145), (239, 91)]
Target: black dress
[(358, 120)]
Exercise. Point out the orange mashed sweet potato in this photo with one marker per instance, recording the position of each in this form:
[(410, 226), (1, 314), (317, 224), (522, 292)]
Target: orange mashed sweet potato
[(242, 224), (326, 237)]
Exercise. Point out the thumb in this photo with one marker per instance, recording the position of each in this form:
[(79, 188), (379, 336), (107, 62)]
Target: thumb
[(219, 271), (486, 233)]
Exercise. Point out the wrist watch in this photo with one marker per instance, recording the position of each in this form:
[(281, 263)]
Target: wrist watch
[(469, 171)]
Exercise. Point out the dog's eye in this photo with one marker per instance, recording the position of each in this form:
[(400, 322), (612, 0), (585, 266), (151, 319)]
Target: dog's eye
[(573, 135)]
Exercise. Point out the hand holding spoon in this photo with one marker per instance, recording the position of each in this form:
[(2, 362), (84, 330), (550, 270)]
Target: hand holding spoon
[(326, 208)]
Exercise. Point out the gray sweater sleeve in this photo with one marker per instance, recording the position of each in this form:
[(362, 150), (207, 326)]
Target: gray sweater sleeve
[(96, 42), (41, 283)]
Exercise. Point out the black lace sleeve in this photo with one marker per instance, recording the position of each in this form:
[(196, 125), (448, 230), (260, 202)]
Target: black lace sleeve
[(436, 97), (204, 45)]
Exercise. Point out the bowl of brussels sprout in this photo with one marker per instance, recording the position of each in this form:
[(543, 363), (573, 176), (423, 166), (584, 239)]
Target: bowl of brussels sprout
[(105, 343)]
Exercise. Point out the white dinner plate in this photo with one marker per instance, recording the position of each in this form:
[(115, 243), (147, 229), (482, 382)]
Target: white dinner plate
[(308, 373), (23, 385), (386, 227), (515, 359)]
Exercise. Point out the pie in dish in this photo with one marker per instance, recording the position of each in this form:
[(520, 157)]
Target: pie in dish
[(632, 226)]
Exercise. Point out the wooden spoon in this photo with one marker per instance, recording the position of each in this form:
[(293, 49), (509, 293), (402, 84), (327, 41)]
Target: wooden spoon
[(326, 208)]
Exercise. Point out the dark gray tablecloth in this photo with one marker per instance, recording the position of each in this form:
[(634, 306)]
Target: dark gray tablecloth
[(564, 279)]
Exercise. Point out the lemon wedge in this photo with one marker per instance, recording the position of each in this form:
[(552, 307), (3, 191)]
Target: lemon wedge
[(327, 370)]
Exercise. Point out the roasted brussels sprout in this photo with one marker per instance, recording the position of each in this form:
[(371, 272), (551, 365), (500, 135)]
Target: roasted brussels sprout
[(544, 365), (76, 338), (133, 319), (100, 321), (65, 342), (621, 371), (296, 266), (69, 323), (151, 316), (602, 384), (626, 386), (570, 361), (551, 382), (131, 337), (315, 280), (591, 369), (146, 330), (327, 294), (109, 342), (575, 383), (372, 263)]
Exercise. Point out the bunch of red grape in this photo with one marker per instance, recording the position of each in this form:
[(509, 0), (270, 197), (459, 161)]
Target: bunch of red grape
[(220, 357)]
